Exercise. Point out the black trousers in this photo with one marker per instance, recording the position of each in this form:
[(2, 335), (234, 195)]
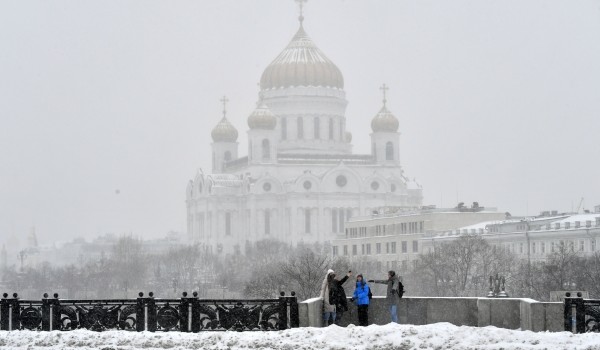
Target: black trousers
[(363, 315)]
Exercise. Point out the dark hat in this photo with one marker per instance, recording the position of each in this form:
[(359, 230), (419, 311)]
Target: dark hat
[(392, 273)]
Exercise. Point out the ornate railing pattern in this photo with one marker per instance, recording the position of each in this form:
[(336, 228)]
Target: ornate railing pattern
[(581, 315), (186, 314)]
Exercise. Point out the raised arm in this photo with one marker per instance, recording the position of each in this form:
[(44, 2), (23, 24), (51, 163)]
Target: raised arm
[(378, 281)]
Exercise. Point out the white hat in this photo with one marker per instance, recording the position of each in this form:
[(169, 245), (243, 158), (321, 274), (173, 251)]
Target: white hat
[(330, 271)]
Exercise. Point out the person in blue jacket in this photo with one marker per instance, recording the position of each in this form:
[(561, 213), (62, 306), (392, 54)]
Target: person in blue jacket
[(362, 296)]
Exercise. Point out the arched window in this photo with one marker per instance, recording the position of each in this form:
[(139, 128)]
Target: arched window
[(307, 220), (283, 128), (331, 128), (227, 156), (300, 128), (267, 222), (266, 149), (317, 128), (227, 224), (250, 150), (389, 151)]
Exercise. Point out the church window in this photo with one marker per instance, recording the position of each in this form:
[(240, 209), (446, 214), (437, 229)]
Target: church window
[(374, 150), (283, 128), (317, 128), (267, 222), (227, 224), (389, 151), (331, 128), (300, 128), (227, 156), (307, 185), (393, 187), (307, 220), (249, 150), (267, 186), (334, 220), (374, 185), (266, 149), (341, 180), (200, 188), (342, 221)]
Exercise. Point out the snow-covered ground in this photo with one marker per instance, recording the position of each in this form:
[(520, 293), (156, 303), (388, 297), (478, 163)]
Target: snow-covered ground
[(440, 336)]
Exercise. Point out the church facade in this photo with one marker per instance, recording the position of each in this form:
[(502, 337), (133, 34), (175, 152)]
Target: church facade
[(300, 181)]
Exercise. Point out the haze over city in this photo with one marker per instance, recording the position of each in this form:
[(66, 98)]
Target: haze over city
[(107, 108)]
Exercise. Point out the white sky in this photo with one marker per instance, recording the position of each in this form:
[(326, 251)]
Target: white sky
[(498, 101)]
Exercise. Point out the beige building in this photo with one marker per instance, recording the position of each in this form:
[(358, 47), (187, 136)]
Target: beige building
[(532, 238), (393, 240)]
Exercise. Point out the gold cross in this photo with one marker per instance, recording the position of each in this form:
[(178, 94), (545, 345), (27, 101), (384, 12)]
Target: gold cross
[(224, 100), (384, 89)]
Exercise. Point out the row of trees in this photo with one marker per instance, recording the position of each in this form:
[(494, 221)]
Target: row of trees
[(459, 268), (463, 266)]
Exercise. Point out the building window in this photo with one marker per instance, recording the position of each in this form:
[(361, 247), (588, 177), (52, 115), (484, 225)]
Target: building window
[(307, 185), (307, 220), (543, 247), (267, 187), (393, 247), (404, 247), (331, 128), (334, 251), (533, 247), (378, 248), (341, 180), (334, 220), (354, 250), (374, 185), (300, 128), (228, 224), (227, 156), (345, 250), (581, 246), (368, 248), (283, 128), (362, 249), (317, 129), (389, 151), (387, 247), (266, 149), (520, 248), (267, 222), (593, 245), (415, 246), (342, 221)]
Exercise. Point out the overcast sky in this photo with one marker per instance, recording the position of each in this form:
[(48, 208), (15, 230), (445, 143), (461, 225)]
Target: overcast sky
[(498, 101)]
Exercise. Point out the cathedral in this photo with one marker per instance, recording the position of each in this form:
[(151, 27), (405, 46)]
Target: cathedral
[(300, 181)]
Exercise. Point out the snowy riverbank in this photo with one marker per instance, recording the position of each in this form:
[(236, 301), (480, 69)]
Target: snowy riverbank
[(389, 337)]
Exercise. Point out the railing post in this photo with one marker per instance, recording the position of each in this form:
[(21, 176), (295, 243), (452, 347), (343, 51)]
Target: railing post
[(151, 313), (4, 314), (294, 313), (185, 321), (14, 312), (195, 313), (283, 311), (46, 314), (140, 313), (580, 315)]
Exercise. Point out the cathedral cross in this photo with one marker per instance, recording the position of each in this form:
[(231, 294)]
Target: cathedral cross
[(224, 100), (384, 88), (301, 9)]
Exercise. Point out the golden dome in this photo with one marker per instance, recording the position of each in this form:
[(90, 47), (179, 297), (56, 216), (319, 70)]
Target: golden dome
[(224, 132), (262, 118), (384, 121), (301, 63)]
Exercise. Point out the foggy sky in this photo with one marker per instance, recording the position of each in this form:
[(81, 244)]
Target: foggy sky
[(498, 101)]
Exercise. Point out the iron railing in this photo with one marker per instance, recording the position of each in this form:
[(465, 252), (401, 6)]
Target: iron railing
[(186, 314), (581, 315)]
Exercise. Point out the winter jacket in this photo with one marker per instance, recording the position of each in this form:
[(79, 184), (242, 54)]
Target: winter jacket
[(326, 294), (339, 297), (393, 285), (361, 293)]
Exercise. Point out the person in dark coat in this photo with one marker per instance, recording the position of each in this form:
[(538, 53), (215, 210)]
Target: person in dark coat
[(395, 289), (341, 301), (361, 297)]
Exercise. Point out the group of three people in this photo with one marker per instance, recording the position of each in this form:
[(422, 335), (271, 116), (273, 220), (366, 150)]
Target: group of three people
[(335, 302)]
